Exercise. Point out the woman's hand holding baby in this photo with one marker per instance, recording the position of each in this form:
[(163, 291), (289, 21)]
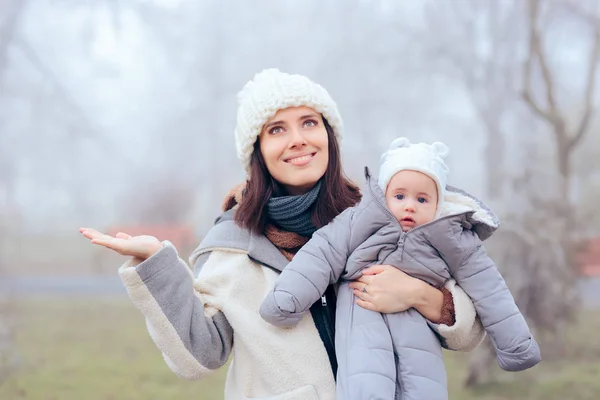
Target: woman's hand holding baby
[(386, 289)]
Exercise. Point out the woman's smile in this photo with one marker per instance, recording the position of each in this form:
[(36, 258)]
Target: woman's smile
[(300, 160)]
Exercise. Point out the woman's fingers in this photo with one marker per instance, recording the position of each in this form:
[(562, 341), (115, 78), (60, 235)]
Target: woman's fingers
[(99, 238), (109, 243), (362, 295), (102, 239), (361, 282), (87, 232), (92, 233), (358, 285), (365, 304), (374, 270)]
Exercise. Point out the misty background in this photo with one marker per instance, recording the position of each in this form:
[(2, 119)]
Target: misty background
[(119, 115)]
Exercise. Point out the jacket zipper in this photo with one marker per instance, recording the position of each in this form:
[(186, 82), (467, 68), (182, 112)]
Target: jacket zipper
[(324, 318)]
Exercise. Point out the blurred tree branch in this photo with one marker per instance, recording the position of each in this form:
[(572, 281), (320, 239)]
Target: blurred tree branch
[(88, 128), (10, 23), (12, 11), (565, 140), (479, 44), (59, 89), (537, 52), (115, 11), (578, 9)]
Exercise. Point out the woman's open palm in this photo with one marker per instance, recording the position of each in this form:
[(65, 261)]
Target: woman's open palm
[(141, 247)]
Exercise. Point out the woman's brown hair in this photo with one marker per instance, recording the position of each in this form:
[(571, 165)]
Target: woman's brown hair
[(337, 192)]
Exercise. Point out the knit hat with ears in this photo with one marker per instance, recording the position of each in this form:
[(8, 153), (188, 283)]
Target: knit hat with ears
[(270, 91), (421, 157)]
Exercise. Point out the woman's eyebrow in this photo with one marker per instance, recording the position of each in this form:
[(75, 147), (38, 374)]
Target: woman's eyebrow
[(274, 123), (308, 116)]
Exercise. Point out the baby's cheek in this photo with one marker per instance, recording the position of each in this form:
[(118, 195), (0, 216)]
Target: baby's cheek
[(431, 214), (396, 211)]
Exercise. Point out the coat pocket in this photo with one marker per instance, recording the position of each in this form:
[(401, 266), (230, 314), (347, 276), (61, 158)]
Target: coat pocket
[(307, 392)]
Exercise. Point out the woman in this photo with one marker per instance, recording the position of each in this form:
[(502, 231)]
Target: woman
[(287, 135)]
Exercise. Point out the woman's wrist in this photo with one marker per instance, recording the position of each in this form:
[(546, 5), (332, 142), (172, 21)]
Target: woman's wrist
[(152, 250), (428, 302), (155, 249)]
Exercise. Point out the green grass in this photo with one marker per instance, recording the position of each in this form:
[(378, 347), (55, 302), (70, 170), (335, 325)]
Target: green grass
[(82, 349), (99, 349)]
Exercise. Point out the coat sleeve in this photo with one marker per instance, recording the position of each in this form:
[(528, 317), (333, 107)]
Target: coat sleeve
[(319, 263), (193, 338), (466, 331), (478, 276)]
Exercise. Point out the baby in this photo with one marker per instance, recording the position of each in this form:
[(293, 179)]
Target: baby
[(411, 220)]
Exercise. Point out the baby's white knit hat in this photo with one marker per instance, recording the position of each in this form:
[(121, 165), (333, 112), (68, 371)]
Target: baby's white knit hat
[(270, 91), (421, 157)]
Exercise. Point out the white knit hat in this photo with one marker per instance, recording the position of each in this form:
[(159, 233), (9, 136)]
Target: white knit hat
[(421, 157), (270, 91)]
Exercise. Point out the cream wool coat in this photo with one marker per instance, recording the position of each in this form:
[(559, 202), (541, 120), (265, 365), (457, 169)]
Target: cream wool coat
[(199, 319)]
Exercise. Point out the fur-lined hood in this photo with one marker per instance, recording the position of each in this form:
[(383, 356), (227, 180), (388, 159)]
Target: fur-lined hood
[(458, 205)]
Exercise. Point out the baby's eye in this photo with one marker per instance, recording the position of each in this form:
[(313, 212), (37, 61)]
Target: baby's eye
[(422, 200), (399, 196)]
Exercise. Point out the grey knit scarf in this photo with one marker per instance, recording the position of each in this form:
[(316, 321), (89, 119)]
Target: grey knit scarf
[(292, 212)]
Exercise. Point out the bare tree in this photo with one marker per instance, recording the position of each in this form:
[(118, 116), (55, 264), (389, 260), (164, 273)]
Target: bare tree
[(9, 356), (500, 55), (476, 48), (12, 11), (541, 247), (566, 138), (12, 42)]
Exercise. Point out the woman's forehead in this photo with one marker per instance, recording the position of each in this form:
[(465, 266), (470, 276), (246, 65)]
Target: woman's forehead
[(293, 112)]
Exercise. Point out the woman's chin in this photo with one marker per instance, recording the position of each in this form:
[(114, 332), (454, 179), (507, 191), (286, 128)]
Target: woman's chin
[(301, 186)]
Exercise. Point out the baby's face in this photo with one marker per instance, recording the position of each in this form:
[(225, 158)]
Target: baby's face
[(412, 198)]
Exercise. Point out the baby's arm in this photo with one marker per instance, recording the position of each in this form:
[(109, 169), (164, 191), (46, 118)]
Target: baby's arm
[(319, 263), (479, 277)]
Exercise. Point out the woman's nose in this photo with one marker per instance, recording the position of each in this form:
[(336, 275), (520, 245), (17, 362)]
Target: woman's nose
[(297, 138)]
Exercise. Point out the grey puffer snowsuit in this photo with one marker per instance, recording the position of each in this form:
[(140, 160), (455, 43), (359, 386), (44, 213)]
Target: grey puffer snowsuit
[(397, 356)]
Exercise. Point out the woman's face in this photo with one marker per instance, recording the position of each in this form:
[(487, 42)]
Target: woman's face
[(294, 146)]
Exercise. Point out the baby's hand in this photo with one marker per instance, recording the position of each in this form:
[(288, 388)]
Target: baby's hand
[(272, 311)]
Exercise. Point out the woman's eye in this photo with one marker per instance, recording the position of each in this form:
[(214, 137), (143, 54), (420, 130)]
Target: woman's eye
[(310, 122), (275, 130)]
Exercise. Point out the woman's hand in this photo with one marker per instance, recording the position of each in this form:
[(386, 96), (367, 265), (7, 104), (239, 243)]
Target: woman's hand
[(389, 290), (138, 247)]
